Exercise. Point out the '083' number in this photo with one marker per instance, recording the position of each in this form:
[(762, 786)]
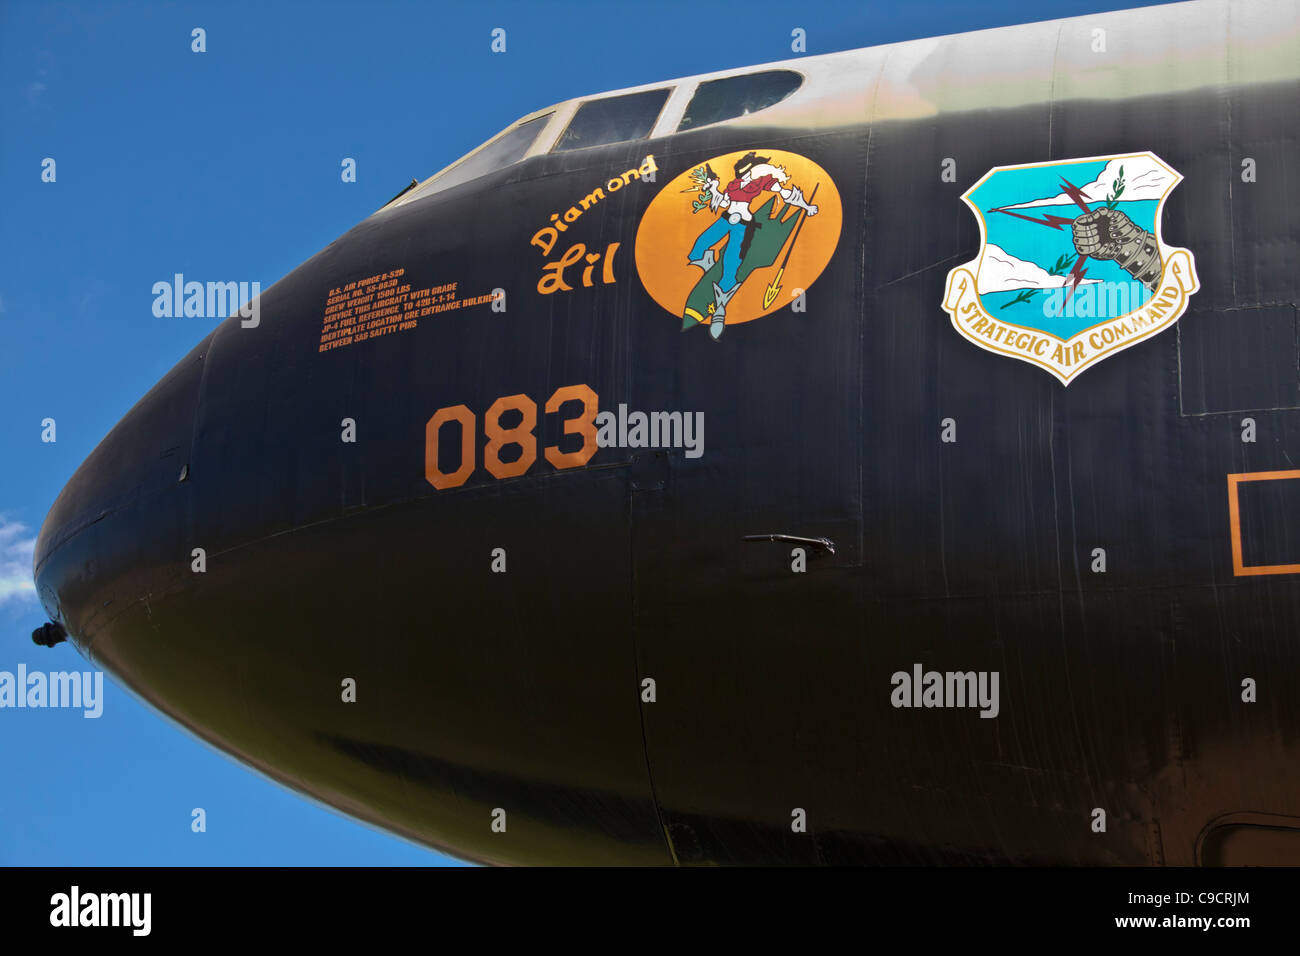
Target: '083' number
[(520, 435)]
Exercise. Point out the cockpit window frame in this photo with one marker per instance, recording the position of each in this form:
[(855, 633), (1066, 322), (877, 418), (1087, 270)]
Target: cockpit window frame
[(738, 78), (431, 185), (680, 94), (668, 89)]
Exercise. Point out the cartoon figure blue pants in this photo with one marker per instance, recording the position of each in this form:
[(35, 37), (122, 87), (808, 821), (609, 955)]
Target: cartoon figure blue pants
[(730, 256)]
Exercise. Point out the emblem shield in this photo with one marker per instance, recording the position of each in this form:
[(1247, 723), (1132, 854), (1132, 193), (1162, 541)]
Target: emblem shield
[(1072, 266)]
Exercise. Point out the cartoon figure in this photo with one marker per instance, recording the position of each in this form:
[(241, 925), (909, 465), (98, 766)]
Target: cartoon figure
[(752, 239), (736, 224)]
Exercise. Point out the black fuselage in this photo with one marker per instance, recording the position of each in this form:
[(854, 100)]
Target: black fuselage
[(525, 690)]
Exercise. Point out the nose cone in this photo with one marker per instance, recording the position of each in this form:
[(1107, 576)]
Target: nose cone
[(107, 536), (305, 604)]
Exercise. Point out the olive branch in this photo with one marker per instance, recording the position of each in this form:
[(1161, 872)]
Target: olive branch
[(1116, 190), (1024, 295), (701, 185), (1062, 264)]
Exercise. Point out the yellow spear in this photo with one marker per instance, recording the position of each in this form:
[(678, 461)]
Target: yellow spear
[(773, 287)]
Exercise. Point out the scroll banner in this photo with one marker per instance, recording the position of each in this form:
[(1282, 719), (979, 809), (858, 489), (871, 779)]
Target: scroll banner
[(1067, 358)]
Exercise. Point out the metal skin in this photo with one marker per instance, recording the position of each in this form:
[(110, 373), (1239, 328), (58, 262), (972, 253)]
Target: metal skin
[(523, 691)]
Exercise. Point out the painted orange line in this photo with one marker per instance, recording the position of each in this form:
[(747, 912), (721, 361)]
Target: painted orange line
[(1239, 568)]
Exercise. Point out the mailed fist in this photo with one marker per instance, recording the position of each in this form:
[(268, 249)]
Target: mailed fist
[(1105, 233), (1109, 234)]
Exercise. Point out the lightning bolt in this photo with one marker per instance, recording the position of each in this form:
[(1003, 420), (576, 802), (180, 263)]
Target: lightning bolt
[(1076, 274), (1056, 222), (1075, 193)]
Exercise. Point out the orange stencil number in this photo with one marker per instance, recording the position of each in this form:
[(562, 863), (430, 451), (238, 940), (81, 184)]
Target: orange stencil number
[(584, 425), (521, 435), (432, 473)]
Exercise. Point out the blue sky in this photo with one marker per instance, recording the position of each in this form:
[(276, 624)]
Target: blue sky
[(226, 164)]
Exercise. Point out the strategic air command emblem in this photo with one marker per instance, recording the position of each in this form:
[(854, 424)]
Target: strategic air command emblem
[(1072, 267)]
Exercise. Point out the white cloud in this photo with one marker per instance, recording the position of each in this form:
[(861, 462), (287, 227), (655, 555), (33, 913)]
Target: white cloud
[(1000, 271), (16, 562), (1144, 178)]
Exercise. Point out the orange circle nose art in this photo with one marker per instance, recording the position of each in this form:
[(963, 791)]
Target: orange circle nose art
[(738, 236)]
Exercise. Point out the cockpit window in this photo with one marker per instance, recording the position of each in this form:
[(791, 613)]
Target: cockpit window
[(732, 96), (509, 147), (614, 119)]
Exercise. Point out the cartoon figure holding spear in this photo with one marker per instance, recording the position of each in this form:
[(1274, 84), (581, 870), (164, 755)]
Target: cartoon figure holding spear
[(737, 224)]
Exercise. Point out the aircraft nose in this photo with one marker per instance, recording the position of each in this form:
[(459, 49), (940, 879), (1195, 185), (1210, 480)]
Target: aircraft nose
[(118, 520)]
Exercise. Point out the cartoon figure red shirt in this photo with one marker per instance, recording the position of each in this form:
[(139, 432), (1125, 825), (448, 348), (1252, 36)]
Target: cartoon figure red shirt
[(745, 190), (754, 175)]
